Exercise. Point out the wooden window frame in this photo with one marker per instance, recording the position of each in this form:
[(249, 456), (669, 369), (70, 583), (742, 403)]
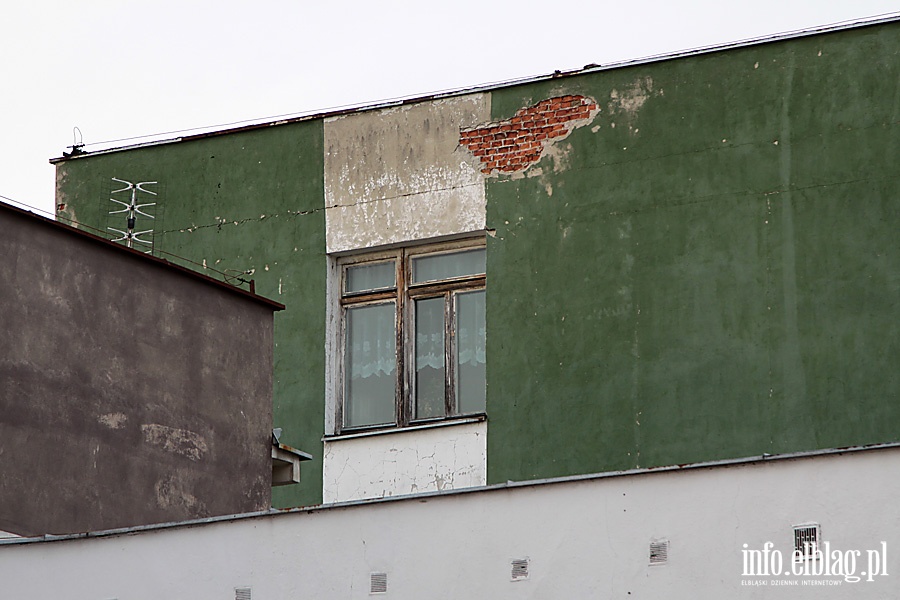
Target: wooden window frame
[(403, 294)]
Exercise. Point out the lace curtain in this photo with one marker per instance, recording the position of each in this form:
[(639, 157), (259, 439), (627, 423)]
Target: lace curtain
[(371, 365)]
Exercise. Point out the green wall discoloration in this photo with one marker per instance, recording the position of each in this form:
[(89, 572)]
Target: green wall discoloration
[(716, 276), (250, 201)]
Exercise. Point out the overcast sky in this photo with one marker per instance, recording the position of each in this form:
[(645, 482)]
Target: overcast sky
[(120, 68)]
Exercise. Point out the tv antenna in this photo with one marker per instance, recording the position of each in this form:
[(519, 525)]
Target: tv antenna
[(132, 207), (77, 143)]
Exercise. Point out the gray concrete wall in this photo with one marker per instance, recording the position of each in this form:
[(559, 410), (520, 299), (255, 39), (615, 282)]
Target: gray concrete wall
[(130, 392)]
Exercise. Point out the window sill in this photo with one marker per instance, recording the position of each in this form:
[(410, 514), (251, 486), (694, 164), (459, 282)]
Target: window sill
[(395, 430)]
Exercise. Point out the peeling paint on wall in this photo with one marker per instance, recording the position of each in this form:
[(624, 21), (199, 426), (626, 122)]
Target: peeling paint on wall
[(64, 211), (515, 144), (398, 175), (170, 493), (113, 420), (405, 462), (179, 441), (628, 101)]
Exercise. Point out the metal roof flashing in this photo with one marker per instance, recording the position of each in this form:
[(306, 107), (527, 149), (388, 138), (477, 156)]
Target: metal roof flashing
[(254, 124)]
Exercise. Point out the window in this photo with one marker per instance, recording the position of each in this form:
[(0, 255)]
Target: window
[(413, 336)]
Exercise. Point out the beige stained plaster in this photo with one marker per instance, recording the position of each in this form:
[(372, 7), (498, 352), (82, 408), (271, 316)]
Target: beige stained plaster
[(398, 175)]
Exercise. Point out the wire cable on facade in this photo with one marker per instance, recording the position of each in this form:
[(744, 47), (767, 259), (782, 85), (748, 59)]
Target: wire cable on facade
[(228, 276)]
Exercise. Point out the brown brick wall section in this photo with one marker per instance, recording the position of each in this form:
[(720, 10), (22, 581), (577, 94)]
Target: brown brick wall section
[(517, 143)]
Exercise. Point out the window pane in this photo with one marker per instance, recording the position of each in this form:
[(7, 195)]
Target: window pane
[(444, 266), (470, 355), (368, 277), (370, 379), (430, 367)]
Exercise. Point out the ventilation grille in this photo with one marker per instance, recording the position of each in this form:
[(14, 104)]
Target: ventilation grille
[(378, 583), (806, 541), (242, 593), (518, 569), (659, 552)]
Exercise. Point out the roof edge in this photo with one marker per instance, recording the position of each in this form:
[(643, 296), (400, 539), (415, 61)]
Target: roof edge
[(253, 124)]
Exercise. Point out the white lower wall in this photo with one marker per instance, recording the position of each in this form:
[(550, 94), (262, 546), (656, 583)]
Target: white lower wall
[(584, 539), (405, 461)]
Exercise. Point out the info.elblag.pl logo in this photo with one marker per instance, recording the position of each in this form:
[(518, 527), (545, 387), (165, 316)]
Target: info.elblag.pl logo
[(813, 561)]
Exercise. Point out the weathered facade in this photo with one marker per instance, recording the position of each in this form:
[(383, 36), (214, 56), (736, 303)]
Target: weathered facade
[(133, 392), (687, 259)]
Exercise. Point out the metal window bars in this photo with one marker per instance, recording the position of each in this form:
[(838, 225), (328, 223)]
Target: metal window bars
[(806, 541)]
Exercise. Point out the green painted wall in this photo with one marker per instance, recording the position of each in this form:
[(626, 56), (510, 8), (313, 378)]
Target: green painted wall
[(247, 201), (716, 276)]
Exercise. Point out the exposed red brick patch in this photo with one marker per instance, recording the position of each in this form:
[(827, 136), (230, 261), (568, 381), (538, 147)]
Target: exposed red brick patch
[(517, 143)]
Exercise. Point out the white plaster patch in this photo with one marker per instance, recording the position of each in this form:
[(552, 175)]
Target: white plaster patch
[(397, 220), (398, 175), (405, 462), (179, 441), (113, 420)]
